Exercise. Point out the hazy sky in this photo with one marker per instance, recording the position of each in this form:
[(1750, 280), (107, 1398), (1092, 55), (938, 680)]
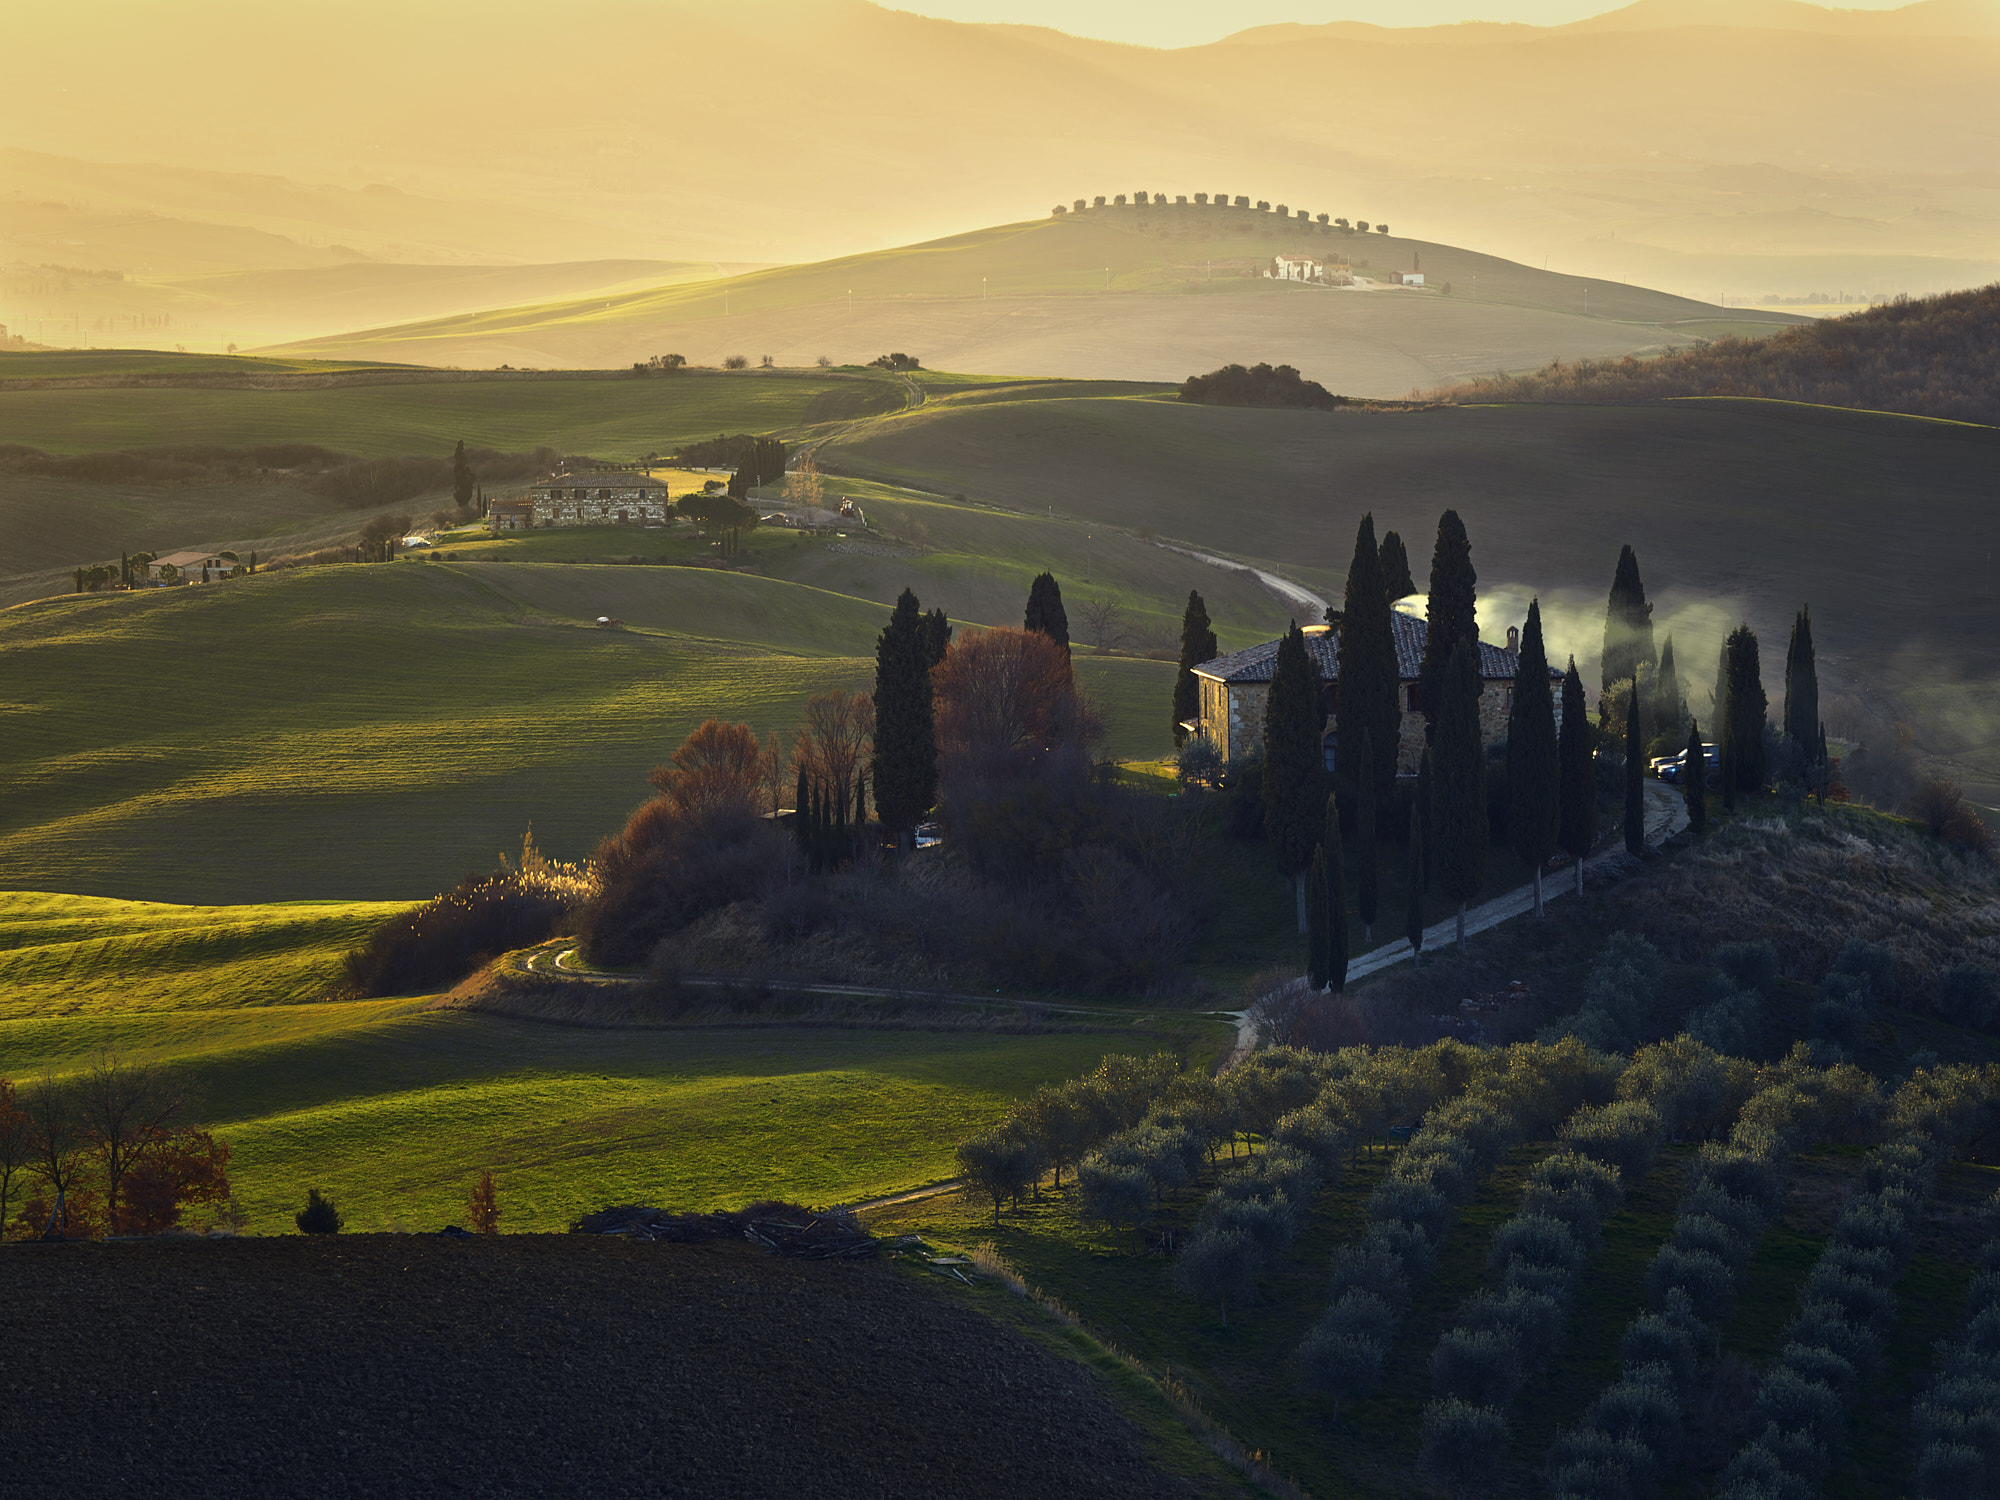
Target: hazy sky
[(1186, 23)]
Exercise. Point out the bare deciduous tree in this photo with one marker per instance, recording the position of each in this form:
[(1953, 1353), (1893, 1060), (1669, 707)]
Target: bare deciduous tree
[(1104, 624), (125, 1109), (16, 1139), (774, 770), (59, 1144), (803, 485), (836, 741)]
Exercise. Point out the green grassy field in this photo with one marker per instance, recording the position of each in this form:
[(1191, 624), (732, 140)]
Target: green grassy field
[(80, 955), (98, 364), (374, 732), (394, 1110), (617, 418)]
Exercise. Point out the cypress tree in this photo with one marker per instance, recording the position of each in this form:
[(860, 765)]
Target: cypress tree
[(905, 719), (839, 847), (1694, 778), (1462, 827), (253, 561), (937, 639), (1628, 622), (1367, 880), (1577, 828), (1317, 931), (802, 816), (1198, 645), (1366, 715), (1336, 900), (1396, 580), (1635, 791), (860, 799), (125, 569), (461, 478), (1450, 613), (1045, 610), (1534, 803), (1743, 714), (1426, 821), (1413, 898), (1669, 704), (1822, 769), (1294, 762), (1801, 719)]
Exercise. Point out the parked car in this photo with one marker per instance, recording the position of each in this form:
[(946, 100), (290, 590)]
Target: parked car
[(1668, 767)]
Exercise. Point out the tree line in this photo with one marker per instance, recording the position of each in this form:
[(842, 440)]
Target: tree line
[(1303, 218)]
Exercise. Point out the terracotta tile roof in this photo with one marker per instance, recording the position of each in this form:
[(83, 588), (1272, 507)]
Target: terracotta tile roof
[(1256, 663)]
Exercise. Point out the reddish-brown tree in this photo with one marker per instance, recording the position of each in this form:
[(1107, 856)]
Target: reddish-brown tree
[(176, 1170), (126, 1111), (1007, 706), (15, 1152), (482, 1209), (718, 767)]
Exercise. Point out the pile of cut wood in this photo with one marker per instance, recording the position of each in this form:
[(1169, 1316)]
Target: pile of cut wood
[(782, 1228)]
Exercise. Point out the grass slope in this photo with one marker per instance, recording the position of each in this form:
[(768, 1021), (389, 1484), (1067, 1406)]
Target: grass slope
[(74, 955), (1120, 292), (394, 1109), (376, 731), (608, 417), (1738, 510)]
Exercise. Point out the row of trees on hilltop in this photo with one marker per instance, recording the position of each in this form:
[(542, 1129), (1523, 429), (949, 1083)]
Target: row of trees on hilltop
[(1304, 218), (1932, 357)]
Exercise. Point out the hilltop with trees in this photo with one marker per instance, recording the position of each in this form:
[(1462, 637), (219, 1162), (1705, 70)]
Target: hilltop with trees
[(1927, 356)]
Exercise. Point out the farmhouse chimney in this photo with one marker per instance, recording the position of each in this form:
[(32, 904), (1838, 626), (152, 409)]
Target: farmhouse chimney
[(1513, 638)]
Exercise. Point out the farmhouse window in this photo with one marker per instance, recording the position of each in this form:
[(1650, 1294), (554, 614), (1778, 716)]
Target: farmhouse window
[(1411, 693)]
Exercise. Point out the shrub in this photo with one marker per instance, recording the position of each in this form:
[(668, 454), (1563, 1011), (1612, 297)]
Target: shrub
[(1574, 1190), (1872, 962), (1374, 1266), (1792, 1402), (1219, 1266), (1750, 966), (1653, 1339), (1462, 1443), (1703, 1277), (1412, 1201), (1343, 1353), (1968, 995), (1816, 1362), (1117, 1195), (1413, 1248), (1862, 1300), (319, 1216), (445, 939), (1537, 1241), (1701, 1231), (1479, 1365), (1624, 1136), (1643, 1406), (1732, 1023), (1534, 1321), (1590, 1465)]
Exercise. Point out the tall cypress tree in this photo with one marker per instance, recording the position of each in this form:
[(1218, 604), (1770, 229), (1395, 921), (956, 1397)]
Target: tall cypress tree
[(802, 816), (1669, 703), (1534, 802), (1045, 610), (1577, 830), (1460, 790), (1336, 899), (1450, 614), (1413, 896), (1367, 880), (1635, 790), (1425, 809), (1743, 714), (1396, 580), (860, 799), (1366, 715), (1694, 778), (1801, 719), (937, 639), (1294, 762), (905, 719), (1198, 645), (461, 478), (1317, 930), (1628, 623)]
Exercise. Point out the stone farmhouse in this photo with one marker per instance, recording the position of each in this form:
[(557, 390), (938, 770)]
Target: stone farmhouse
[(591, 498), (1234, 689), (188, 566)]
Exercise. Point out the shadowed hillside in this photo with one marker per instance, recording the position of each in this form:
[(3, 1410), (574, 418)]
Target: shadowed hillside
[(1936, 357)]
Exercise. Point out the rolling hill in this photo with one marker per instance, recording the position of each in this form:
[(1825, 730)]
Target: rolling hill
[(1135, 292)]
